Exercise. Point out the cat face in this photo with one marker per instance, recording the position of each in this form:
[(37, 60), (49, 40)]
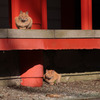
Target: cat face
[(49, 74), (23, 16)]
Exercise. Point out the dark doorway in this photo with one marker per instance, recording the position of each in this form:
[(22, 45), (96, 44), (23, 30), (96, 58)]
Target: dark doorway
[(96, 14), (70, 14)]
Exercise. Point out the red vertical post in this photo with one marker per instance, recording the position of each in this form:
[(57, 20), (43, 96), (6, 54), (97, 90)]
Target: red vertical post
[(44, 14), (90, 14), (86, 14)]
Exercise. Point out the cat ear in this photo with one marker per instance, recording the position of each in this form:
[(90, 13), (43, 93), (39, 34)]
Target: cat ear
[(21, 12), (27, 12)]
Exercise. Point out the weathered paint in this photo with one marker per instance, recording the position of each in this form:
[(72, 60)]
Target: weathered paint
[(48, 44), (86, 14)]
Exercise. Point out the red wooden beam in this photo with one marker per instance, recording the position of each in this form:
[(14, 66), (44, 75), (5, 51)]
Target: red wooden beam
[(86, 14), (48, 44)]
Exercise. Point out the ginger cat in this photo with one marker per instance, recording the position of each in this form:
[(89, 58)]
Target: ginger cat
[(52, 77), (23, 21)]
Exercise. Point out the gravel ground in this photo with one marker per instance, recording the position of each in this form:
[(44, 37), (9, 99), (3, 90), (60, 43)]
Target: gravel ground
[(66, 91)]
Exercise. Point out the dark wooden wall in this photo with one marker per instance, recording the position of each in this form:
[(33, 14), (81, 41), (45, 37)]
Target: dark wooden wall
[(96, 14), (54, 14), (4, 14), (70, 14)]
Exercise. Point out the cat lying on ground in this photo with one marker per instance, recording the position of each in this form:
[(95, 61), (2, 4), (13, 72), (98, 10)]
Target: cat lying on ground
[(52, 77), (23, 21)]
